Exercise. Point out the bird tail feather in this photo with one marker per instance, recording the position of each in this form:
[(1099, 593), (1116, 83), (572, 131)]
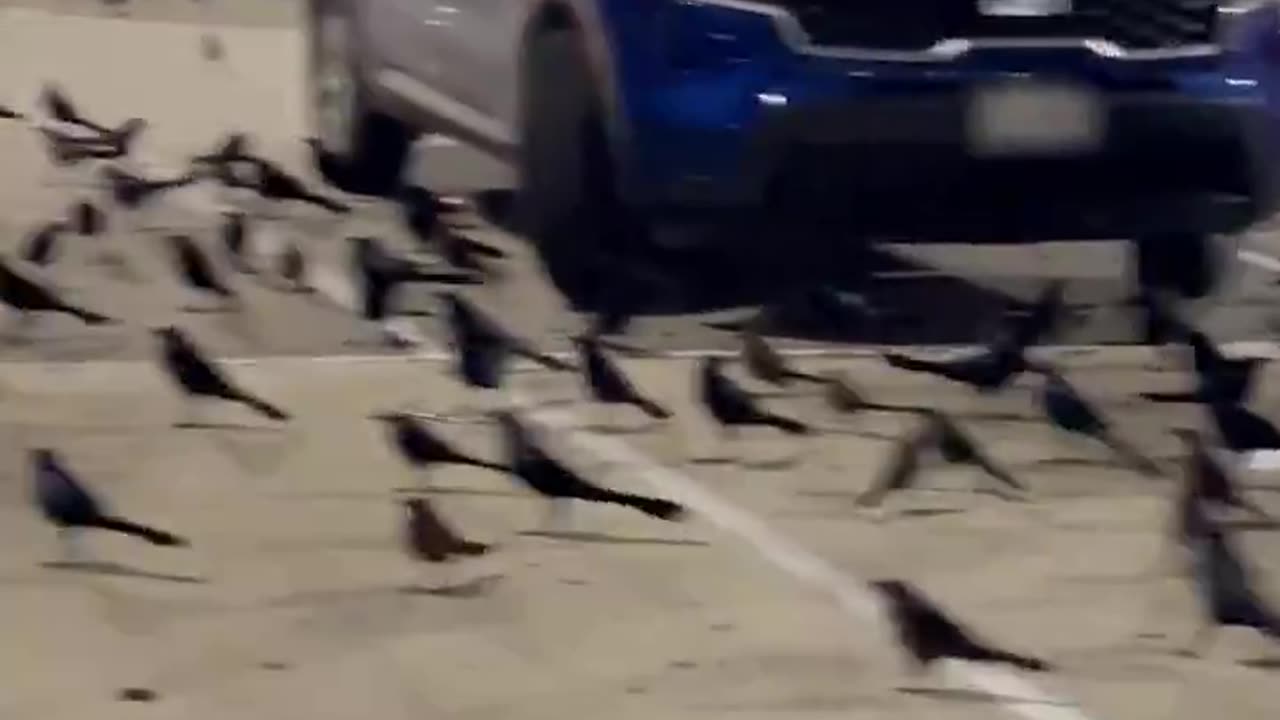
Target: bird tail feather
[(472, 548), (1171, 397), (910, 364), (652, 409), (785, 424), (89, 317), (654, 507), (487, 465), (1009, 658), (806, 377), (264, 407), (150, 534), (1132, 457), (327, 203), (546, 361)]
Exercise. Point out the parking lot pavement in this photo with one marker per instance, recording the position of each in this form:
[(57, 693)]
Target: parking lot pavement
[(292, 599), (295, 564)]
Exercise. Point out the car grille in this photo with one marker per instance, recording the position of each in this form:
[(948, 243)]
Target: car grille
[(919, 24)]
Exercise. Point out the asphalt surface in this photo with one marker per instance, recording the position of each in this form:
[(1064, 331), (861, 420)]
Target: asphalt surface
[(296, 600)]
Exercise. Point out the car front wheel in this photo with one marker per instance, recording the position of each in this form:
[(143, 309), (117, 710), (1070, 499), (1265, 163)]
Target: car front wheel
[(568, 202)]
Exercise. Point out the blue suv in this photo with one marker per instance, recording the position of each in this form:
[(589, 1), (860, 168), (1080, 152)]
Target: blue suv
[(1151, 120)]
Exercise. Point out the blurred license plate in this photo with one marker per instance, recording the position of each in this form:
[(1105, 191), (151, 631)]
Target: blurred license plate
[(1034, 119)]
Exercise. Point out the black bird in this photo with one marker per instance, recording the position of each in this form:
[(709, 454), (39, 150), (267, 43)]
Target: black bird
[(609, 385), (67, 503), (422, 448), (1226, 591), (7, 113), (197, 270), (42, 246), (59, 106), (293, 268), (87, 220), (198, 377), (1242, 430), (733, 407), (1205, 480), (844, 397), (928, 635), (901, 470), (26, 296), (557, 482), (381, 273), (67, 150), (939, 433), (986, 371), (236, 146), (132, 191), (429, 538), (1219, 378), (764, 363), (957, 447), (475, 332), (465, 254), (1069, 411), (273, 183), (234, 232)]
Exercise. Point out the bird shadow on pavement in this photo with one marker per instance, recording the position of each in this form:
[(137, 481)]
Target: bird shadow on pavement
[(1265, 663), (607, 539), (71, 348), (975, 696), (256, 449), (454, 490), (473, 587), (118, 570)]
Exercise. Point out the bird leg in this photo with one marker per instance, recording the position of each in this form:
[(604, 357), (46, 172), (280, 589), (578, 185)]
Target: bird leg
[(74, 552), (191, 414), (1199, 640), (558, 520)]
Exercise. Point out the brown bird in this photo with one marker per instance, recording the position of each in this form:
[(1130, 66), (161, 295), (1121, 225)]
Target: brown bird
[(429, 538), (953, 445), (845, 398), (928, 635)]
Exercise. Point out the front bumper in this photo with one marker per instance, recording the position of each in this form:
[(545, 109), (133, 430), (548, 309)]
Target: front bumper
[(1189, 145)]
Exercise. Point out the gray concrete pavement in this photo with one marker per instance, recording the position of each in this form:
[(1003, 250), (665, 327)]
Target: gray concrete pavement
[(297, 607), (295, 563)]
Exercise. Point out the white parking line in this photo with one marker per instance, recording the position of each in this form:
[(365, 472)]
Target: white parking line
[(1266, 262), (1011, 692)]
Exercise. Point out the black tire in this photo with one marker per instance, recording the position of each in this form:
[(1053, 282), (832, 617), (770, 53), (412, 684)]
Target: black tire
[(378, 143), (1191, 265), (568, 202)]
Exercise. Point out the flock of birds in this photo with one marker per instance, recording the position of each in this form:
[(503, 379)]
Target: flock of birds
[(483, 349)]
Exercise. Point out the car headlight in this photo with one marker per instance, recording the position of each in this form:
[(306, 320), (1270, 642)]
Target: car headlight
[(699, 34)]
